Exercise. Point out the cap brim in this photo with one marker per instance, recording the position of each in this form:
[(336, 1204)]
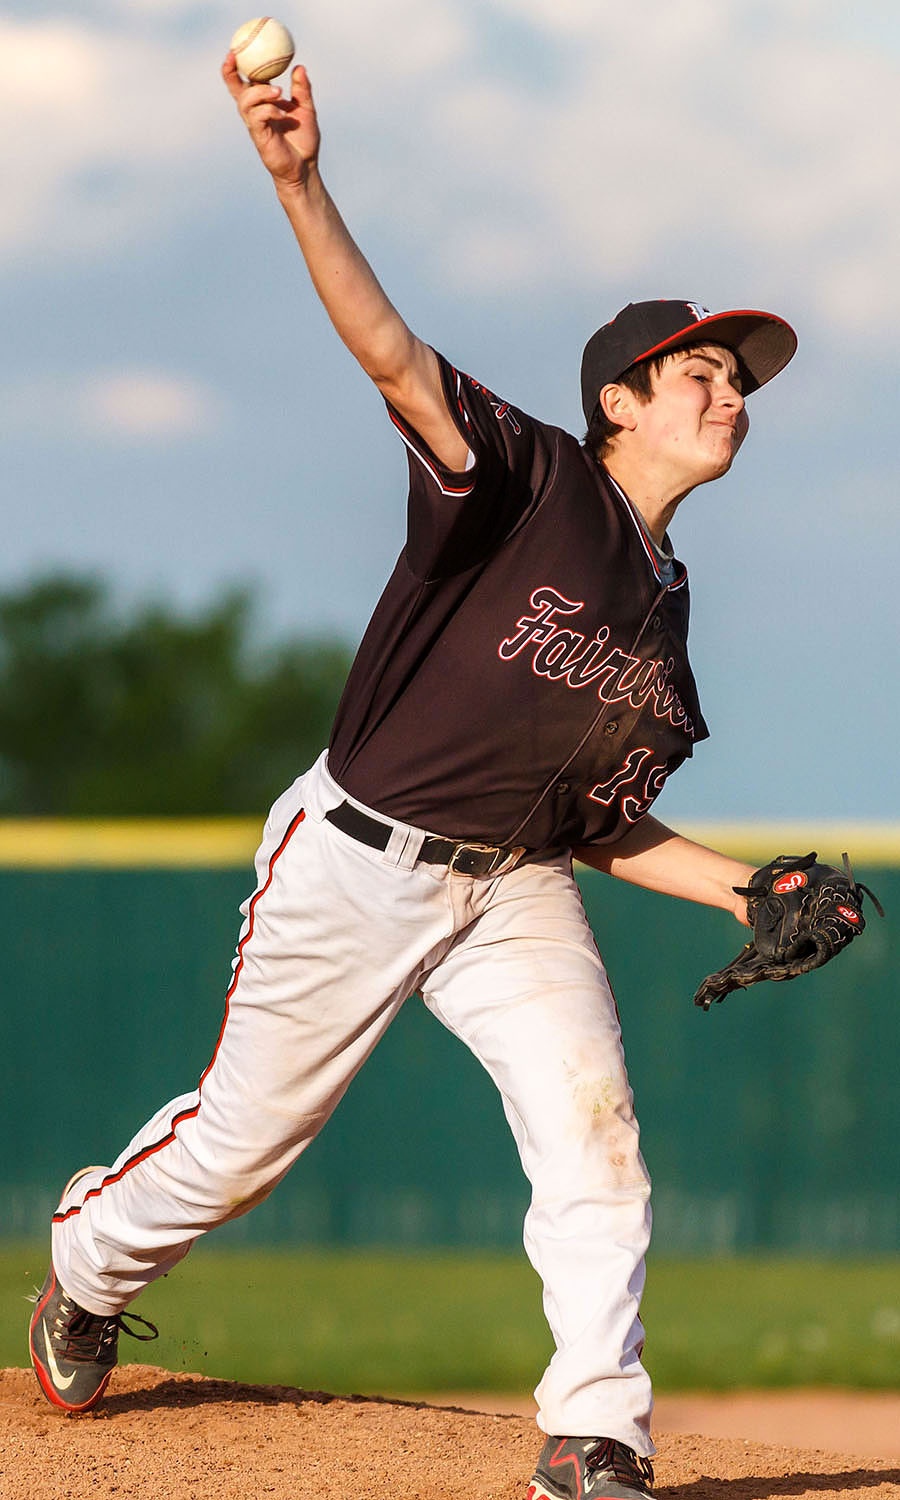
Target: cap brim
[(762, 343)]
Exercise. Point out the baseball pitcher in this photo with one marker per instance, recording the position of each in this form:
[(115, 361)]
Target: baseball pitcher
[(521, 695)]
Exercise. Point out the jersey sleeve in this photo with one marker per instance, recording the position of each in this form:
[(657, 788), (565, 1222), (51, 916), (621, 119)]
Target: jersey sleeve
[(455, 520)]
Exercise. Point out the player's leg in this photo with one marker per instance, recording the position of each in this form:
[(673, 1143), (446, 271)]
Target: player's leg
[(525, 988), (333, 941)]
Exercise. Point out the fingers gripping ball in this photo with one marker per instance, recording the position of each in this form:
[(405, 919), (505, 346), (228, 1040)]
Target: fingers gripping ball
[(262, 49), (802, 914)]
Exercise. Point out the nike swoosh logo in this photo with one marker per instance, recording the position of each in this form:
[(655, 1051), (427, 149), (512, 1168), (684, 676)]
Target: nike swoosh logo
[(62, 1382)]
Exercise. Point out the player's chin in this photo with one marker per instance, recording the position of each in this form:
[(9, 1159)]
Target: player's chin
[(723, 454), (716, 467)]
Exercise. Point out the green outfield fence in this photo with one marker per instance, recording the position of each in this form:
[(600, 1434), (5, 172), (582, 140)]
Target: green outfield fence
[(771, 1123)]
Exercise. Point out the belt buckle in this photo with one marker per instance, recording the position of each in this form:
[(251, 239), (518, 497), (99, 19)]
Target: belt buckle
[(465, 859), (469, 859)]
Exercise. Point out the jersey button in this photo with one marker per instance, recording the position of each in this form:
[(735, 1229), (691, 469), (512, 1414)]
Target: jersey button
[(562, 787), (611, 727), (656, 622)]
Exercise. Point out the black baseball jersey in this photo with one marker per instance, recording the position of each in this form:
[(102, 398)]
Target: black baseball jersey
[(524, 678)]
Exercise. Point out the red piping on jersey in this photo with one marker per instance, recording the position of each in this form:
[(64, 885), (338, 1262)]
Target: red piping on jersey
[(188, 1114), (459, 400), (410, 441)]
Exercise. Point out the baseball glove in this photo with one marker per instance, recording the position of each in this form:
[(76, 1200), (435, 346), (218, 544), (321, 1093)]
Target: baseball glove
[(802, 914)]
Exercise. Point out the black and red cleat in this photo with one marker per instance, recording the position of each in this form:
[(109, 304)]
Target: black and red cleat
[(73, 1351), (590, 1469)]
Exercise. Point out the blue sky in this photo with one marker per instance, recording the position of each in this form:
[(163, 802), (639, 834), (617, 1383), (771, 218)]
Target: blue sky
[(179, 415)]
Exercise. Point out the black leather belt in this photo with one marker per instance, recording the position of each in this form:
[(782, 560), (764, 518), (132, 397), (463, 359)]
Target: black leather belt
[(460, 855)]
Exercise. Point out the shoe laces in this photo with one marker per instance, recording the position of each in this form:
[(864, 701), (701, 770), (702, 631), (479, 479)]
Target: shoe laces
[(81, 1335), (624, 1463)]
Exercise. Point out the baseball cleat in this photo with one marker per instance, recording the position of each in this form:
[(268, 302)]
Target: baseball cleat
[(590, 1469), (73, 1351)]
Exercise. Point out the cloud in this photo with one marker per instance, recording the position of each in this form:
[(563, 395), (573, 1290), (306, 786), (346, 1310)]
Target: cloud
[(691, 142), (692, 147), (108, 147), (398, 39), (146, 404), (113, 407), (135, 132)]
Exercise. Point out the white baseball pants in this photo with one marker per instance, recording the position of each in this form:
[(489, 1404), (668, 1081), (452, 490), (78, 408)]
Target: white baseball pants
[(334, 939)]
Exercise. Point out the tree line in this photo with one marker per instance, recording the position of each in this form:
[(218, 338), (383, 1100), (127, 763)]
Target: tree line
[(148, 711)]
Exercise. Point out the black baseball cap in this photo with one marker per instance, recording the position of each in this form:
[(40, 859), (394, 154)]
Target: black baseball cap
[(762, 343)]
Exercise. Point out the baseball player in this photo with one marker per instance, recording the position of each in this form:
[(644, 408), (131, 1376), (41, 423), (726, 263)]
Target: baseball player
[(521, 694)]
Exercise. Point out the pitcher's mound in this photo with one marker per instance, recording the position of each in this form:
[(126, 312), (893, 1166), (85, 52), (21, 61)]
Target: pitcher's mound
[(181, 1437)]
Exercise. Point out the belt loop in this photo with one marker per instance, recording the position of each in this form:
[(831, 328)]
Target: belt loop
[(403, 846)]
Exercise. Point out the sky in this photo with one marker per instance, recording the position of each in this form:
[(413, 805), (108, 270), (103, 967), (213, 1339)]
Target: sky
[(178, 415)]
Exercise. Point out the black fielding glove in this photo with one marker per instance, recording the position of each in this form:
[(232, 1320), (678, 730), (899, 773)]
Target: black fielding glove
[(802, 914)]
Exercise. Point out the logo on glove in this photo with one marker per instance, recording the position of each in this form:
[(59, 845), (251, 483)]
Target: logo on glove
[(793, 882), (849, 913)]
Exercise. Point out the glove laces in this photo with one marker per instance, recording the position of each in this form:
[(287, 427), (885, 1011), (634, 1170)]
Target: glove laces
[(859, 887)]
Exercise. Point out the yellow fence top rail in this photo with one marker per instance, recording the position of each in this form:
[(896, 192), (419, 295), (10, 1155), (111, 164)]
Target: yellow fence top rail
[(128, 843), (228, 843), (867, 843)]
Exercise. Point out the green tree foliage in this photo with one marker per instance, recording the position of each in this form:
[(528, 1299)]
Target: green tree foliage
[(152, 712)]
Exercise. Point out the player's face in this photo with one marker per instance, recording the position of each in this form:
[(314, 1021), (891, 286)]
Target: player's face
[(695, 418)]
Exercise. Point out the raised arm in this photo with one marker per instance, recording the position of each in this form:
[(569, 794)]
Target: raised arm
[(655, 857), (286, 134)]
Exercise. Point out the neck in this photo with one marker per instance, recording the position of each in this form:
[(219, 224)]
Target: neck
[(655, 499)]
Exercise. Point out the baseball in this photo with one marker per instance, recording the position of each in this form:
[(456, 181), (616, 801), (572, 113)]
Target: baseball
[(263, 48)]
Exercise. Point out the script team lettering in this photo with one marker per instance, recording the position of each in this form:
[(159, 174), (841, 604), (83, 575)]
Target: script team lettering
[(563, 654)]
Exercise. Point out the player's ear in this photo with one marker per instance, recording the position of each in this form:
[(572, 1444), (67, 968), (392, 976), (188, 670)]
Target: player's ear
[(618, 405)]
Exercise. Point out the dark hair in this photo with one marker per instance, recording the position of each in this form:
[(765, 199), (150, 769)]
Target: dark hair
[(639, 380)]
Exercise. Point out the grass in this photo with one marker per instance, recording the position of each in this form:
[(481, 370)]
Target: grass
[(395, 1323)]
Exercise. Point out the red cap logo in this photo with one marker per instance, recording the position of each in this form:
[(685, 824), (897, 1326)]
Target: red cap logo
[(793, 882), (849, 913)]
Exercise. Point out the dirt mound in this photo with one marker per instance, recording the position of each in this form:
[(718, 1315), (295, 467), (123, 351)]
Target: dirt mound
[(182, 1437)]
